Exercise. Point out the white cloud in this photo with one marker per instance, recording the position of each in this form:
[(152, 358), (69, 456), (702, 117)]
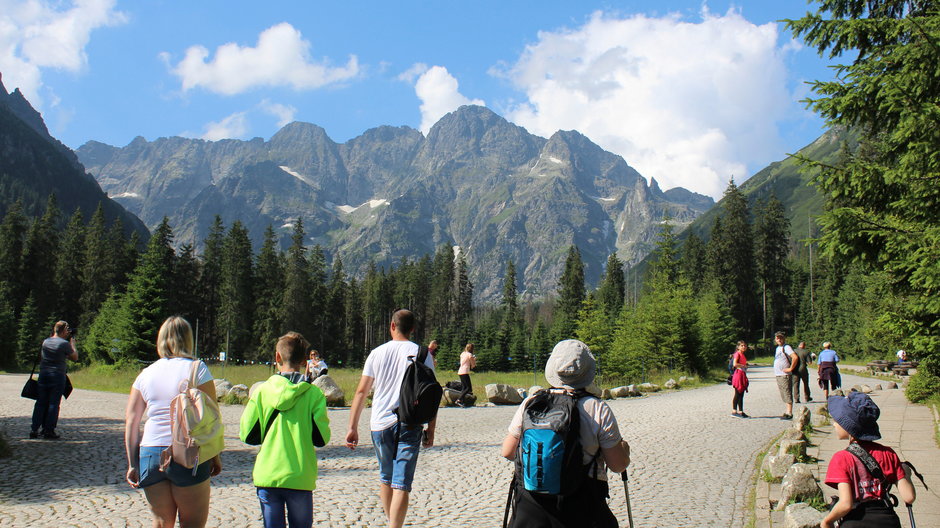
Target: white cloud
[(688, 103), (234, 126), (280, 58), (439, 95), (37, 34), (284, 113), (413, 72)]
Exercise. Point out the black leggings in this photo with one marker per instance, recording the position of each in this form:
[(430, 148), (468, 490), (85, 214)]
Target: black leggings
[(737, 403), (467, 387)]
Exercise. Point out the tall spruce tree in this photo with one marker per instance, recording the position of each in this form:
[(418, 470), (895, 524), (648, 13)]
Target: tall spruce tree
[(772, 240), (236, 303), (99, 271), (12, 238), (882, 202), (269, 287), (693, 263), (39, 258), (570, 296), (210, 284), (610, 293), (69, 267), (295, 301), (731, 258)]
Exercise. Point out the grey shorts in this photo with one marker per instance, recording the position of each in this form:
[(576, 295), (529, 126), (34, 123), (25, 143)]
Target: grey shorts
[(785, 384)]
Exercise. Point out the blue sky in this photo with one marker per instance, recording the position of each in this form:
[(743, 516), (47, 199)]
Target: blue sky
[(688, 92)]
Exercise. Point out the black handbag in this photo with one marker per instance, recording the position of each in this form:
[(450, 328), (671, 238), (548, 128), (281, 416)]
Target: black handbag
[(31, 389), (68, 387)]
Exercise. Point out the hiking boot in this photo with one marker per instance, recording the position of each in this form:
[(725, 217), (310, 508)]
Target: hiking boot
[(809, 399), (34, 434), (797, 401), (459, 403), (786, 417), (51, 436), (744, 415)]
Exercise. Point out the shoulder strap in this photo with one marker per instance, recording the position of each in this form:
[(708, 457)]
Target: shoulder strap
[(867, 460), (192, 374), (422, 354)]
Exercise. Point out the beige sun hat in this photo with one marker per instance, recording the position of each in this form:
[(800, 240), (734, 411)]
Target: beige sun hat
[(571, 365)]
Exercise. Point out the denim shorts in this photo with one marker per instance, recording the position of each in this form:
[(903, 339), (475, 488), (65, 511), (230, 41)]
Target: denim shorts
[(397, 450), (178, 475)]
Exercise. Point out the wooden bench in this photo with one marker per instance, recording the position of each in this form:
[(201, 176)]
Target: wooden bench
[(879, 366), (900, 370)]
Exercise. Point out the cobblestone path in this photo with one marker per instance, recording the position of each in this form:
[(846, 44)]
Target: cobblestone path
[(692, 464)]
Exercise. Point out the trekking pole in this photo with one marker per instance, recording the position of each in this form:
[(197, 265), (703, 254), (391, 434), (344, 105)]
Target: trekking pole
[(910, 512), (626, 491)]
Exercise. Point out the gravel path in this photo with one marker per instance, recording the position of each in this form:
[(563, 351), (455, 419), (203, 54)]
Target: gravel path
[(692, 464)]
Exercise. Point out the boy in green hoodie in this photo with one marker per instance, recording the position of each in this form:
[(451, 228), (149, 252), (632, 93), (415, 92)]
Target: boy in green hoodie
[(287, 417)]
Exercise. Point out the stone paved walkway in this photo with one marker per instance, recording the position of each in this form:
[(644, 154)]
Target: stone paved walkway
[(692, 464)]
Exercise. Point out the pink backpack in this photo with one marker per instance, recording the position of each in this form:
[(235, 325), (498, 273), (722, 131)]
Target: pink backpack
[(196, 425)]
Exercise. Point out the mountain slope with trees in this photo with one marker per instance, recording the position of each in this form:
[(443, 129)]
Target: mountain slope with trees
[(475, 181)]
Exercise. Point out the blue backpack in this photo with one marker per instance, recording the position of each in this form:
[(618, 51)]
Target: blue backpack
[(549, 456)]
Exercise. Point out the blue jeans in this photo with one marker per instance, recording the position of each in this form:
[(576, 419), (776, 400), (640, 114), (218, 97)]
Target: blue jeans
[(299, 505), (178, 475), (46, 410), (397, 450)]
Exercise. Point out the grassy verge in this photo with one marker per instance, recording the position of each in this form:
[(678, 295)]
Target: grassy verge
[(114, 378)]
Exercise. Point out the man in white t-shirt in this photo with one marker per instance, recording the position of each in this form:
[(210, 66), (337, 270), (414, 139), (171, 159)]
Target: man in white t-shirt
[(785, 362), (396, 445)]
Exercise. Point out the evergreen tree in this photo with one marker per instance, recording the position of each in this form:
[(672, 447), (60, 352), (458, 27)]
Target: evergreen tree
[(29, 334), (210, 284), (610, 293), (269, 288), (882, 201), (570, 296), (462, 321), (39, 258), (353, 333), (69, 268), (772, 240), (334, 316), (594, 331), (236, 302), (318, 297), (295, 302), (694, 262), (131, 327), (12, 235), (509, 325), (99, 271), (717, 332), (9, 330), (440, 303), (731, 258), (184, 300)]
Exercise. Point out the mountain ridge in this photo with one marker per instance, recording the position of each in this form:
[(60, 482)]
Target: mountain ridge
[(475, 180)]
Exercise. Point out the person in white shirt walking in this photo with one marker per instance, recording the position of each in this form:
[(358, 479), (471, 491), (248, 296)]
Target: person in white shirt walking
[(396, 445)]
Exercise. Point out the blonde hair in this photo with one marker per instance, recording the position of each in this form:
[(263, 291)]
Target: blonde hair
[(175, 338), (827, 344)]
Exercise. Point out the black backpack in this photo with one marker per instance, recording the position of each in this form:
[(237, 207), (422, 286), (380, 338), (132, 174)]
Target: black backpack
[(420, 395)]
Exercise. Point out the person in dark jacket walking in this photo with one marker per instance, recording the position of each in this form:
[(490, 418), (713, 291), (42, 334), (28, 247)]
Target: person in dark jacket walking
[(56, 349)]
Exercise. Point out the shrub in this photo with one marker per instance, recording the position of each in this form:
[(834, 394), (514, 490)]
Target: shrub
[(922, 386)]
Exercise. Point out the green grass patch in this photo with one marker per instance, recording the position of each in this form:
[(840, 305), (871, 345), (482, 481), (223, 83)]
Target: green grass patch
[(119, 378), (767, 477), (818, 503)]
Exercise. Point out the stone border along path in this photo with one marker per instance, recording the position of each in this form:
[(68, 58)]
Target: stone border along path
[(692, 464)]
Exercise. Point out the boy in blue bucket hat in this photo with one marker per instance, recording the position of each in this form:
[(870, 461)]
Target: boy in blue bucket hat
[(865, 471)]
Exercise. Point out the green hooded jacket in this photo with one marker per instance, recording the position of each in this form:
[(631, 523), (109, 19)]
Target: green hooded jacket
[(288, 419)]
